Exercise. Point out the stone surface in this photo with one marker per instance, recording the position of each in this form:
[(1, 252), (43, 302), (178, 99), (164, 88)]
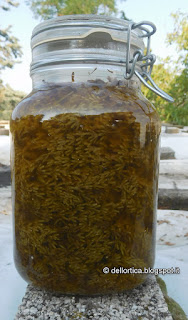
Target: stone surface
[(146, 302), (4, 132), (173, 185), (167, 153), (185, 129), (5, 201), (5, 175), (172, 229), (174, 168), (5, 150), (173, 199), (172, 130)]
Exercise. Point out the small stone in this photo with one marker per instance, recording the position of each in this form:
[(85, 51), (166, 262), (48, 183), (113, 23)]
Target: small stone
[(167, 153), (25, 312), (164, 309), (33, 311), (39, 307), (4, 132), (172, 130)]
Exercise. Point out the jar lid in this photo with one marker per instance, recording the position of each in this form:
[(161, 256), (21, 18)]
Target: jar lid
[(95, 39), (81, 26), (88, 38)]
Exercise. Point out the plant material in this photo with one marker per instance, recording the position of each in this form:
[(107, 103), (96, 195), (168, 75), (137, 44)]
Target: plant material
[(175, 309), (85, 171)]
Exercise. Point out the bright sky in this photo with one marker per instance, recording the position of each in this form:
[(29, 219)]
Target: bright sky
[(23, 22)]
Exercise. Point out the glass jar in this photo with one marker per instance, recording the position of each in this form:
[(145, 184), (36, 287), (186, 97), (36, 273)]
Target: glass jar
[(84, 161)]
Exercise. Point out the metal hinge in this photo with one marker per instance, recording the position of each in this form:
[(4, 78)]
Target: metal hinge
[(148, 59)]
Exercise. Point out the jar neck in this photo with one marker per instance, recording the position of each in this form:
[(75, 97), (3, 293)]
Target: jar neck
[(81, 73)]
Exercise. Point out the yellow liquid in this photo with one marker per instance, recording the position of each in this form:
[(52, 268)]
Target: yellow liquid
[(85, 185)]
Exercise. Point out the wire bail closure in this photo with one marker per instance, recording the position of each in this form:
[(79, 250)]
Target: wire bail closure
[(148, 59)]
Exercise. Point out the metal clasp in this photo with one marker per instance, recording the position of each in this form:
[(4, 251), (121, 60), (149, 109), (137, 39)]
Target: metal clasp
[(148, 59)]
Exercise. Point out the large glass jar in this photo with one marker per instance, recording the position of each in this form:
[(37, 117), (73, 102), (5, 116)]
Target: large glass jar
[(84, 161)]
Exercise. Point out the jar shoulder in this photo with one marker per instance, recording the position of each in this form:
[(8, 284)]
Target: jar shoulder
[(85, 98)]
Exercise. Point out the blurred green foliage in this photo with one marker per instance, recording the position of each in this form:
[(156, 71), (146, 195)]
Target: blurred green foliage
[(10, 50), (47, 9), (172, 76), (9, 98)]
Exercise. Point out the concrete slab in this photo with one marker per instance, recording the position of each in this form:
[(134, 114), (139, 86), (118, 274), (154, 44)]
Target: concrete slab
[(178, 142), (173, 184), (5, 201), (172, 251), (177, 284), (5, 175), (174, 168), (5, 150), (168, 182), (172, 228), (12, 286), (173, 199)]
